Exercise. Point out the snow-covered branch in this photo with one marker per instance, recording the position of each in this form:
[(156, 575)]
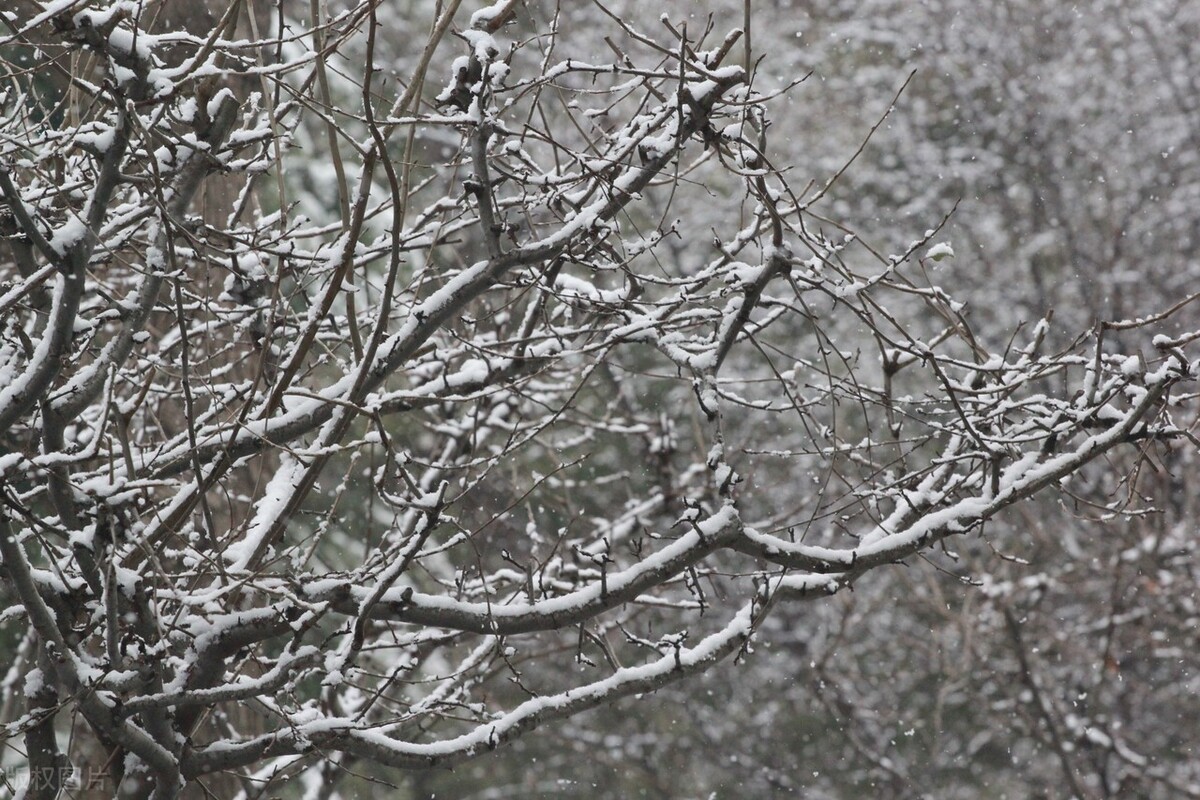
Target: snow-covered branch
[(546, 392)]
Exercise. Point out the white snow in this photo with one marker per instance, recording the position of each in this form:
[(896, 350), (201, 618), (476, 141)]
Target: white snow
[(940, 251), (268, 509)]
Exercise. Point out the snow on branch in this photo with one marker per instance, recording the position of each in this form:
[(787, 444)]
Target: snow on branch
[(392, 396)]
